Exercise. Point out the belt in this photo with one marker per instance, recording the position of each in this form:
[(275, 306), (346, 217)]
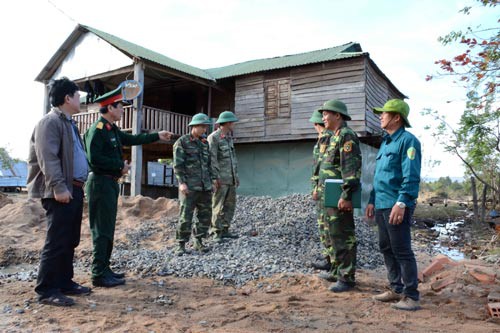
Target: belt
[(107, 176), (78, 183)]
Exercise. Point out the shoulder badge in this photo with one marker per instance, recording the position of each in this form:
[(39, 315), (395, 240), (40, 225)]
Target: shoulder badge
[(411, 152), (348, 146), (322, 148), (99, 125)]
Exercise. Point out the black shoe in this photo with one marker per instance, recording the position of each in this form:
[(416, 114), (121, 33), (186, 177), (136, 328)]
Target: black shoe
[(322, 265), (56, 299), (327, 276), (76, 289), (107, 282), (227, 234), (117, 275), (342, 286)]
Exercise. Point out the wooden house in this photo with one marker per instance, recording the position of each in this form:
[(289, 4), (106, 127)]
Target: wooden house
[(273, 98)]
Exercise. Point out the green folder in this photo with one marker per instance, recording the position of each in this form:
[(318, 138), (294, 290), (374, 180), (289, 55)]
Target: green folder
[(333, 190)]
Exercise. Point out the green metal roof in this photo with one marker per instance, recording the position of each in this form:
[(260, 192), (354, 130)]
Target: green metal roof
[(143, 53), (348, 50)]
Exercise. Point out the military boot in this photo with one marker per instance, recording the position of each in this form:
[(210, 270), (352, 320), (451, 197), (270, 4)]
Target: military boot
[(181, 249), (227, 234), (324, 265), (218, 238), (198, 245)]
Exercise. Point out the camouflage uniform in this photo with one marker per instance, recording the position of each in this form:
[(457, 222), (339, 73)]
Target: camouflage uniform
[(224, 167), (192, 167), (340, 159), (322, 227)]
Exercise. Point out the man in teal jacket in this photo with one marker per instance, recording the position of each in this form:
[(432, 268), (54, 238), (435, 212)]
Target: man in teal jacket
[(392, 201)]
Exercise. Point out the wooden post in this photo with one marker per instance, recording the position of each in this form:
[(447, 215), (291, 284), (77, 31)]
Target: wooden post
[(209, 107), (136, 176), (46, 99)]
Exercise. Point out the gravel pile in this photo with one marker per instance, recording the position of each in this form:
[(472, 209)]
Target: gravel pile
[(276, 236)]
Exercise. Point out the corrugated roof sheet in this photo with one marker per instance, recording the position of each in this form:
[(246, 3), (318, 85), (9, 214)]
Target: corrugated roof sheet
[(348, 50), (144, 53)]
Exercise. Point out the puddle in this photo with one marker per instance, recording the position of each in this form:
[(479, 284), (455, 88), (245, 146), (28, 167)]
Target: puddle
[(446, 234)]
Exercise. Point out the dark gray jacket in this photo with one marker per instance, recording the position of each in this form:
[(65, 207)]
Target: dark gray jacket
[(50, 161)]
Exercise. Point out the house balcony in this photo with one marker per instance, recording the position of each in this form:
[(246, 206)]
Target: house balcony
[(153, 120)]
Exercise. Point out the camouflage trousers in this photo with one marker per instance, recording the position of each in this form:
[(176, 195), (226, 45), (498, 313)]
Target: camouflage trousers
[(201, 201), (223, 206), (323, 228), (343, 239)]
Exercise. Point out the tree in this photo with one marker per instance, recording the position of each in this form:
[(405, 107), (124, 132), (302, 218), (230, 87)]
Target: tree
[(476, 139), (7, 162)]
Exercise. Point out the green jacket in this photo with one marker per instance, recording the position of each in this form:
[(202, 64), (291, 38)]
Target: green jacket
[(103, 144), (192, 163), (224, 165), (341, 159), (323, 138)]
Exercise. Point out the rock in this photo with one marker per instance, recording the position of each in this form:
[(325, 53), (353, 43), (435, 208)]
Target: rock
[(475, 291), (20, 311)]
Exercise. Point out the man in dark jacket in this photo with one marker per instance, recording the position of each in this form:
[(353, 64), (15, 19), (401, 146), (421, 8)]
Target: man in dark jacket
[(57, 170)]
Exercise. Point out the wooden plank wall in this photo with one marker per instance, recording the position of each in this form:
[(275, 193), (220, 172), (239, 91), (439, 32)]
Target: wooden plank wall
[(314, 84), (249, 108), (378, 91), (356, 81), (223, 100)]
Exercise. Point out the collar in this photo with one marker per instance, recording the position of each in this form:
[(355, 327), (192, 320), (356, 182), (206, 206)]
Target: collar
[(109, 126), (337, 132), (394, 136)]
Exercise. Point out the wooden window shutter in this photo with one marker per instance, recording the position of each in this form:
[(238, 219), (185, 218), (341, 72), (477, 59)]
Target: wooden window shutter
[(277, 98)]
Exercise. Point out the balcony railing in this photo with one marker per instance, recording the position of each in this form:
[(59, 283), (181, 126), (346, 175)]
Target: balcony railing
[(153, 119)]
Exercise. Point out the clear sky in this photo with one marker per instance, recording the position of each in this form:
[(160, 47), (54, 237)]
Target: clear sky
[(400, 35)]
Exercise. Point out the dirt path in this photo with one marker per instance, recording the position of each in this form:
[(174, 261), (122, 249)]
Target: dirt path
[(286, 303), (283, 303)]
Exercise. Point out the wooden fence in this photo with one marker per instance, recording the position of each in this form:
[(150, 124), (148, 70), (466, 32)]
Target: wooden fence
[(153, 119)]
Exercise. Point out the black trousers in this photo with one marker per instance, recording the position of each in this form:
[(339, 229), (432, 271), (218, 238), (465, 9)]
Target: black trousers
[(63, 236)]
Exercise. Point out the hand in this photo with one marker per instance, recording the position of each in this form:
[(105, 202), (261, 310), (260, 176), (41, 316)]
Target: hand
[(370, 211), (126, 167), (183, 188), (64, 197), (216, 184), (315, 196), (344, 205), (165, 135), (397, 215)]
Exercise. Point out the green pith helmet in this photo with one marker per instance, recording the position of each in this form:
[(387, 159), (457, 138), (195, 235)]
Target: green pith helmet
[(398, 106), (335, 106), (317, 118), (226, 117), (200, 119)]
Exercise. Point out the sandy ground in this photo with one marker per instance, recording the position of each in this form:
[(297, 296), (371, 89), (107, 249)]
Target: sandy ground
[(283, 303)]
